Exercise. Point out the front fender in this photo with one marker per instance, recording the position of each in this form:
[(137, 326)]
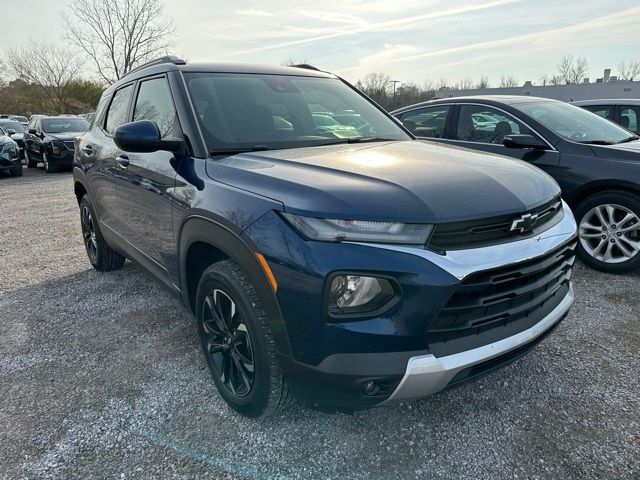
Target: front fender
[(198, 228)]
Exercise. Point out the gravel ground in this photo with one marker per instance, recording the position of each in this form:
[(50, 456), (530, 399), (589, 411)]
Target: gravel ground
[(101, 377)]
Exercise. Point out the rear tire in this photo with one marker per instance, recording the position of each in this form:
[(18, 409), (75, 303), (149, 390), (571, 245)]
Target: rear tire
[(101, 256), (240, 351), (609, 230)]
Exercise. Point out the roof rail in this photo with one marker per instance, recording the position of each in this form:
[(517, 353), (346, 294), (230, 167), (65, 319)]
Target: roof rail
[(306, 66), (158, 61)]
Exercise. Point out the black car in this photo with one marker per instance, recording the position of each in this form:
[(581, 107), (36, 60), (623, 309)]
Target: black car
[(624, 111), (596, 162), (9, 155), (16, 131), (337, 270), (50, 140)]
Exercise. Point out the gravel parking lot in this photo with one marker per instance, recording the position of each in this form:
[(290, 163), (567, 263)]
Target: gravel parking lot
[(101, 377)]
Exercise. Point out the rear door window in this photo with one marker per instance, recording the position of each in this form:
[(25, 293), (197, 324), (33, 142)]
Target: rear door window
[(426, 122)]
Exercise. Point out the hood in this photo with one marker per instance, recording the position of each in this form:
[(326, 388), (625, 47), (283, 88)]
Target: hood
[(622, 151), (65, 136), (410, 181)]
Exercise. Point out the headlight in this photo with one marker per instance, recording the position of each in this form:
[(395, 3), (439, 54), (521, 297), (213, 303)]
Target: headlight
[(56, 146), (328, 230)]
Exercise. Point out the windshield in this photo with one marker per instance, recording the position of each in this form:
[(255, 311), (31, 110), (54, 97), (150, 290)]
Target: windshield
[(574, 123), (20, 119), (280, 111), (17, 126), (64, 124)]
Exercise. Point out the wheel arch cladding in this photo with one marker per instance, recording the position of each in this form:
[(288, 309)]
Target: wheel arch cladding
[(80, 190), (203, 242), (601, 186)]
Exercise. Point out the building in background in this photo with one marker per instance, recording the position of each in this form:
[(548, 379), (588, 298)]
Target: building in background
[(606, 87)]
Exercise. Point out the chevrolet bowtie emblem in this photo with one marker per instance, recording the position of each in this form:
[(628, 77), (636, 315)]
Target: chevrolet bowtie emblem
[(524, 223)]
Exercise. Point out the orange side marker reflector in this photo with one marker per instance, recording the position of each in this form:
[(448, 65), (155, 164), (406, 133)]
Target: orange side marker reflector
[(267, 270)]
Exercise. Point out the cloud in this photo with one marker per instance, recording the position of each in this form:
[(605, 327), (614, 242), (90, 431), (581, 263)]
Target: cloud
[(389, 25), (586, 33)]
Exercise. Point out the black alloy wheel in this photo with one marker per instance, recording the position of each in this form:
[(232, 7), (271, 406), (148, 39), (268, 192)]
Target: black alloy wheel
[(89, 233), (227, 342)]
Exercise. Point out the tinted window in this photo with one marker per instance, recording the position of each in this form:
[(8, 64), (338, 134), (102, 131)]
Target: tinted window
[(479, 123), (155, 103), (574, 123), (64, 124), (630, 117), (281, 111), (605, 111), (117, 114), (426, 122), (12, 125)]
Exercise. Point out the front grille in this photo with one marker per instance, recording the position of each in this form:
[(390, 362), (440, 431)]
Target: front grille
[(498, 297), (489, 231), (70, 145)]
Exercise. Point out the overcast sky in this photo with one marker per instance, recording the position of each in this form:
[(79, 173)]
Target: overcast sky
[(412, 40)]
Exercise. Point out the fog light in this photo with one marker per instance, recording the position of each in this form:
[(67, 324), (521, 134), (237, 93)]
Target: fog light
[(358, 294), (370, 388)]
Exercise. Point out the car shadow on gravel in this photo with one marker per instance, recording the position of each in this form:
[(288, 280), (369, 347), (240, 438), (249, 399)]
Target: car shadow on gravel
[(104, 377)]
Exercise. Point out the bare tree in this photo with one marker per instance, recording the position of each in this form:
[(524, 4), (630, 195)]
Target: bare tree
[(464, 84), (118, 34), (375, 86), (629, 71), (572, 70), (483, 82), (508, 81), (50, 68)]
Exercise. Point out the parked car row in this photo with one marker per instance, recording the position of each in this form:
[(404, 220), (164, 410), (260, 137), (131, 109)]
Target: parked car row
[(332, 251)]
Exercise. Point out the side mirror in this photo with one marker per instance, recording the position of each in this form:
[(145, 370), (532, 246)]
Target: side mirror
[(32, 131), (11, 131), (523, 141), (143, 136)]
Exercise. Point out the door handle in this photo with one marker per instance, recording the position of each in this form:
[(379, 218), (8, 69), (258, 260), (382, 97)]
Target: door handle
[(123, 161)]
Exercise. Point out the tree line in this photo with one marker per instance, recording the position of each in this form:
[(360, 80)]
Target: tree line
[(570, 70), (107, 38)]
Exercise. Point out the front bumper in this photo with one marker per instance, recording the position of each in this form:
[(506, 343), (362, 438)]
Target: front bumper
[(8, 161), (427, 374)]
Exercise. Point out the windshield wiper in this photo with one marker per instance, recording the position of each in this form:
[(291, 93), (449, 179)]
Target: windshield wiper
[(234, 151), (629, 139), (597, 142), (358, 140)]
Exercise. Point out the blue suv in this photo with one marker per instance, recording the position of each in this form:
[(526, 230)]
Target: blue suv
[(348, 267)]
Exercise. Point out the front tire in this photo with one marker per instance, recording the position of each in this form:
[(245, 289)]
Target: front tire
[(609, 231), (101, 256), (49, 167), (30, 163), (17, 170), (237, 342)]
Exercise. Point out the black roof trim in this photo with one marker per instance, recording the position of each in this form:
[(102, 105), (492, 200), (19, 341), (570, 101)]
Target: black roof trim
[(306, 66), (158, 61)]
